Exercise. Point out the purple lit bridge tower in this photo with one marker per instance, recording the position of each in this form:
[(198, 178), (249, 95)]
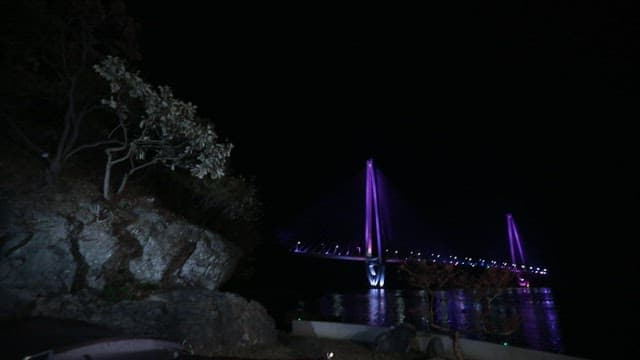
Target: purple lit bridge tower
[(372, 231), (515, 246)]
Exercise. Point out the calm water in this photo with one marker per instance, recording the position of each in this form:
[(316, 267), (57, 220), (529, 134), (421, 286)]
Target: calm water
[(538, 327)]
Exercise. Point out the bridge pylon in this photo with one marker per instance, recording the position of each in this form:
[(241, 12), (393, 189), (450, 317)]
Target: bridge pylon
[(515, 247), (372, 230)]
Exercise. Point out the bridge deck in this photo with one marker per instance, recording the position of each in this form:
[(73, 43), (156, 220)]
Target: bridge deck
[(444, 260)]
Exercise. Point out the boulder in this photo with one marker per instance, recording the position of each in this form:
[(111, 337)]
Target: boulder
[(36, 254), (70, 256), (179, 253), (54, 244), (96, 245)]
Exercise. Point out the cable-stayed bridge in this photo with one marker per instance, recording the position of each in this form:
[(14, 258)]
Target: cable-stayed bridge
[(376, 255)]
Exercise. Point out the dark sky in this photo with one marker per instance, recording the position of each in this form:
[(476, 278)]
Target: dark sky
[(469, 110)]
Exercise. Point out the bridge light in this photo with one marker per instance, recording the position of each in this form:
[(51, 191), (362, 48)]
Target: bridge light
[(299, 242), (418, 254), (545, 270), (337, 246)]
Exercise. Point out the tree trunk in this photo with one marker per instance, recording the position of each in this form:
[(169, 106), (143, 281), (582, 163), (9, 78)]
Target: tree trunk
[(457, 350), (53, 172), (106, 183), (123, 183)]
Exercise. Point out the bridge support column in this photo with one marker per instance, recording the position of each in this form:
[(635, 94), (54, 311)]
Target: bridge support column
[(373, 230), (375, 272)]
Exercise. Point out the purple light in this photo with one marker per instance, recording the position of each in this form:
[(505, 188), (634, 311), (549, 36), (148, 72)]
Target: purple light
[(368, 209), (510, 234), (514, 237), (375, 264), (515, 232), (377, 212)]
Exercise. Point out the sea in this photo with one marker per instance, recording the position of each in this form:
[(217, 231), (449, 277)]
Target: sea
[(530, 315), (566, 315)]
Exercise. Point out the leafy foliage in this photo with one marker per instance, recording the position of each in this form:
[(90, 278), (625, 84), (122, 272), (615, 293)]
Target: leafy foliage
[(156, 128)]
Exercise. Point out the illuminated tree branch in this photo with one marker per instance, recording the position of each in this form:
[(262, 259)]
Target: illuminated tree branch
[(165, 132)]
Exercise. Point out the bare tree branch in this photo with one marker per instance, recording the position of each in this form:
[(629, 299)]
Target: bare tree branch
[(30, 144), (89, 146)]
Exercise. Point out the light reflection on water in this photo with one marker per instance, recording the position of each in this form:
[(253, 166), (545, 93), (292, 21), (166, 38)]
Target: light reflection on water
[(539, 327)]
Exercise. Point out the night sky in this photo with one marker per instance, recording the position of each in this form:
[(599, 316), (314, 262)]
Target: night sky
[(470, 112)]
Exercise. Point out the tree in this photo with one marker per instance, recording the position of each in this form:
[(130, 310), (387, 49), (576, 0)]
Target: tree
[(153, 128), (48, 48), (486, 285), (430, 277)]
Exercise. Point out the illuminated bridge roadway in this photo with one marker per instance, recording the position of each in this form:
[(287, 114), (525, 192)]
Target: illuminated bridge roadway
[(335, 252)]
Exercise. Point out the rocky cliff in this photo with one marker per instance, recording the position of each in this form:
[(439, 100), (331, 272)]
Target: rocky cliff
[(129, 265)]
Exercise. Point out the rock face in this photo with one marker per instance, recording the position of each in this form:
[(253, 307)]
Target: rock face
[(61, 256), (38, 257), (96, 245), (179, 253), (210, 322), (54, 246)]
